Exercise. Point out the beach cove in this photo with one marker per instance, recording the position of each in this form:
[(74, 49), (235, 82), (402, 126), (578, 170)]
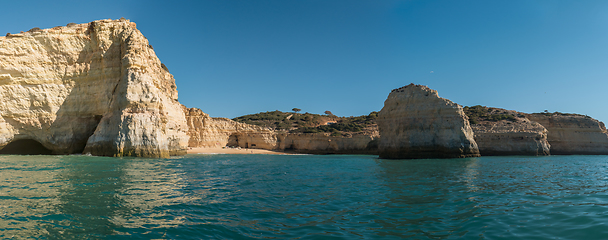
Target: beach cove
[(227, 150)]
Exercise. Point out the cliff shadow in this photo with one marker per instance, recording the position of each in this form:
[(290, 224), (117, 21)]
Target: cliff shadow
[(233, 140), (25, 147), (88, 100)]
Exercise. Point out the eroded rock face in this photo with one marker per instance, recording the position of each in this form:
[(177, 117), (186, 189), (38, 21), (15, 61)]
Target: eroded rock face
[(516, 135), (89, 88), (416, 123), (324, 143), (573, 133), (208, 132)]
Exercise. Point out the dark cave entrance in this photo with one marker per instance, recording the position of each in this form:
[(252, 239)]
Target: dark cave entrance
[(25, 147)]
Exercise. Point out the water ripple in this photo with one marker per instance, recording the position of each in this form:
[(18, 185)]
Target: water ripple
[(303, 197)]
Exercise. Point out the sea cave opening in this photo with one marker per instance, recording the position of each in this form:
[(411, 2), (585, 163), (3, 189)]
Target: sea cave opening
[(25, 147)]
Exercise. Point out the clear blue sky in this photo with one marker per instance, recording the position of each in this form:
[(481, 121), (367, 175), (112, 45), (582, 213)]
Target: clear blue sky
[(232, 58)]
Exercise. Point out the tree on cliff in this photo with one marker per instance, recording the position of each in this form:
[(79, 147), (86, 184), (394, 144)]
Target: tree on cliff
[(295, 110), (329, 113)]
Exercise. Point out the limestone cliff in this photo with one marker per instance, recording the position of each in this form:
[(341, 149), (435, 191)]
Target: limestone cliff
[(573, 133), (208, 132), (89, 88), (205, 131), (506, 132), (324, 143), (416, 123)]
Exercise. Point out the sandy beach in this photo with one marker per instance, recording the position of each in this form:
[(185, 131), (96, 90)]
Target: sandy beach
[(231, 151)]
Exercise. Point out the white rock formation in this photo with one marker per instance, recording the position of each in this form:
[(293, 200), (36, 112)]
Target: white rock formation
[(208, 132), (416, 123), (89, 88), (573, 134), (324, 143), (515, 136)]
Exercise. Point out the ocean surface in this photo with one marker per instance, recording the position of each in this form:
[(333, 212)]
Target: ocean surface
[(303, 197)]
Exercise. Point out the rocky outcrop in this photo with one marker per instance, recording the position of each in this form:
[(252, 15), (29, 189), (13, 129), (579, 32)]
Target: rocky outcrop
[(416, 123), (325, 143), (208, 132), (506, 132), (89, 88), (573, 134)]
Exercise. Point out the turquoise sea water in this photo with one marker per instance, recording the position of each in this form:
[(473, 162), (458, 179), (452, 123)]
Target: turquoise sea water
[(303, 197)]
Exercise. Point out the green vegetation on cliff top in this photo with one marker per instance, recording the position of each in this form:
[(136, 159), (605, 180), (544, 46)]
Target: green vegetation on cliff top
[(316, 123), (310, 123), (547, 113), (480, 113)]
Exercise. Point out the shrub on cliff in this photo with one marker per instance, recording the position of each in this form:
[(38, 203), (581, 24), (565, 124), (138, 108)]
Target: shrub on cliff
[(309, 123), (336, 127), (480, 113), (547, 113), (343, 125), (282, 120)]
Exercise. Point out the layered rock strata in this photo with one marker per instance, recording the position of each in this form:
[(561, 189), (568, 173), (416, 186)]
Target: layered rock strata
[(416, 123), (573, 134), (93, 88), (208, 132), (325, 143), (516, 135)]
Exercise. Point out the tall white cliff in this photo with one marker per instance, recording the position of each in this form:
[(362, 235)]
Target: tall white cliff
[(89, 88), (416, 123)]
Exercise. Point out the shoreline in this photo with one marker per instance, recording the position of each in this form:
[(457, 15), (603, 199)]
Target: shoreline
[(233, 151)]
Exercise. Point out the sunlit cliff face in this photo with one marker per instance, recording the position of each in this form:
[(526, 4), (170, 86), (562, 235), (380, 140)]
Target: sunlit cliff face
[(95, 87), (574, 134), (416, 123)]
